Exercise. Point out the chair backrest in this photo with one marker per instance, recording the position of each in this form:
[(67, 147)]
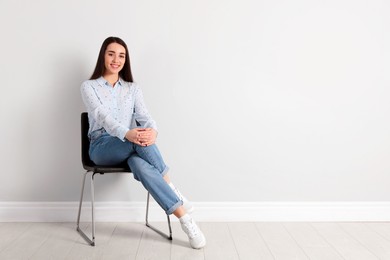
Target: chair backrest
[(88, 164), (85, 140)]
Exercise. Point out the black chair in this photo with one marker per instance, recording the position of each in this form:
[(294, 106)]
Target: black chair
[(92, 168)]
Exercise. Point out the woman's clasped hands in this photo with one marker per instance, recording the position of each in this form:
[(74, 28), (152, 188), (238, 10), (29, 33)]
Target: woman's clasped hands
[(142, 136)]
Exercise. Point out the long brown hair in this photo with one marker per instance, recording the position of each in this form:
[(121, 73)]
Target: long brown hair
[(125, 73)]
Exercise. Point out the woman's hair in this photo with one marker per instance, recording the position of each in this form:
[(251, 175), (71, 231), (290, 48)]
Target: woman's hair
[(125, 73)]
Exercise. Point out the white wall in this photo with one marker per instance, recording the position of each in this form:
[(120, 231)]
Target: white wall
[(255, 100)]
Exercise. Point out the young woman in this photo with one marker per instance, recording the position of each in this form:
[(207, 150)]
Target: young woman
[(112, 101)]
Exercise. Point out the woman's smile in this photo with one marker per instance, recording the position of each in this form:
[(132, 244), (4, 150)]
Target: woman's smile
[(114, 59)]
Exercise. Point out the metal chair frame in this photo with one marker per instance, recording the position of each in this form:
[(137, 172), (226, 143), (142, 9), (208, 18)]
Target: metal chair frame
[(90, 167)]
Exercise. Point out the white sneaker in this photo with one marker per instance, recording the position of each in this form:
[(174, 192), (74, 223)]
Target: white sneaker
[(189, 208), (195, 235)]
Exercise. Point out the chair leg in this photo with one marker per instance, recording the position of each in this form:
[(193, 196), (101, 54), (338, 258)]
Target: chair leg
[(81, 199), (93, 208), (169, 237), (91, 242)]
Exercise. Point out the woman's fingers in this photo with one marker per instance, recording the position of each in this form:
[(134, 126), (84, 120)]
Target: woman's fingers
[(145, 136)]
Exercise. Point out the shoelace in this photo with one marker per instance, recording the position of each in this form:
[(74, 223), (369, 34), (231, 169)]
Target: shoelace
[(191, 228)]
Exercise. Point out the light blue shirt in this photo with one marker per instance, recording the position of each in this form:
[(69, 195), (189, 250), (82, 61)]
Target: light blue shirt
[(111, 108)]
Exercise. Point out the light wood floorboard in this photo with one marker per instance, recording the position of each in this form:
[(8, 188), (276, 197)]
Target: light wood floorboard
[(345, 244), (124, 241), (11, 232), (153, 245), (59, 242), (82, 250), (220, 243), (370, 239), (237, 240), (381, 228), (29, 241), (281, 244), (313, 244), (248, 241)]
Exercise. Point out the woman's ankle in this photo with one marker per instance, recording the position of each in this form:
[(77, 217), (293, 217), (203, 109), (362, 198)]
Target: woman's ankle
[(179, 212)]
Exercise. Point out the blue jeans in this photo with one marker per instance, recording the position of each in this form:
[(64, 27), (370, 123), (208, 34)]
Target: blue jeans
[(145, 162)]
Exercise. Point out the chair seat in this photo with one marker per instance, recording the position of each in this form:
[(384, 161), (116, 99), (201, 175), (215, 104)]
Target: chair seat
[(106, 169)]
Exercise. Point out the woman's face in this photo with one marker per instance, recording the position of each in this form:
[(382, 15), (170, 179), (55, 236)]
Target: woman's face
[(114, 58)]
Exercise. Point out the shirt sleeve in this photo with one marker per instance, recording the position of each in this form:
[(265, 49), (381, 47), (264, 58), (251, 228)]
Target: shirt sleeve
[(99, 112), (141, 110)]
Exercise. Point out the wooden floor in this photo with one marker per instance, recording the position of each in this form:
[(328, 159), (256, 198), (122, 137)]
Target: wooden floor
[(242, 240)]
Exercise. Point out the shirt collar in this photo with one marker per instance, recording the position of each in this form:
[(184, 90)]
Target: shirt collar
[(102, 81), (121, 81)]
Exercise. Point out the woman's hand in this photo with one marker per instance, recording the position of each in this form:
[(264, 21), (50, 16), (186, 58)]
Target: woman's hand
[(142, 136), (148, 136)]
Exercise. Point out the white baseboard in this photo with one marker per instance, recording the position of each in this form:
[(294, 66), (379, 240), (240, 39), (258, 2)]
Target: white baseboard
[(204, 211)]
